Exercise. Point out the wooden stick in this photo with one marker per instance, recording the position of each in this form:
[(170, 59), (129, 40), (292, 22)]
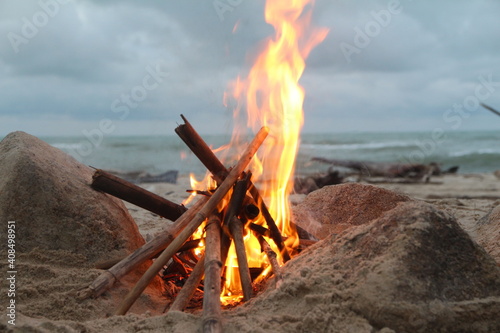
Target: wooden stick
[(225, 244), (199, 147), (271, 255), (271, 224), (237, 198), (236, 228), (136, 195), (192, 244), (145, 252), (212, 313), (189, 245), (234, 205), (212, 203), (263, 231), (184, 296), (249, 212), (490, 109)]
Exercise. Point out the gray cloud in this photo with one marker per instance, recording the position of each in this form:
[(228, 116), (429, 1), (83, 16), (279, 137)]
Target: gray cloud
[(90, 54)]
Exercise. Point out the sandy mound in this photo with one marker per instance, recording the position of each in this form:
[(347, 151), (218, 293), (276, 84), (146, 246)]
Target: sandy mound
[(333, 209), (488, 233), (411, 270), (62, 227), (47, 193)]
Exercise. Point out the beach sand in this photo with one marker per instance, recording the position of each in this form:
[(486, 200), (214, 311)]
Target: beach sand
[(468, 198)]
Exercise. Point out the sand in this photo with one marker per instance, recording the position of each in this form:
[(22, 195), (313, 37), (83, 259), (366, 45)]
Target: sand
[(467, 197), (50, 304)]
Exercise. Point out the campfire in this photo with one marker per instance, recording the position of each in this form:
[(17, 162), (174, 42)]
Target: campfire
[(241, 221)]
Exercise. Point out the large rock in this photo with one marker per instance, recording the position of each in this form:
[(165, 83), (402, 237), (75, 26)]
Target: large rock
[(48, 195), (411, 270), (335, 208)]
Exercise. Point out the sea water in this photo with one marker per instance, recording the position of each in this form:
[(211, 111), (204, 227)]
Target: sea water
[(474, 151)]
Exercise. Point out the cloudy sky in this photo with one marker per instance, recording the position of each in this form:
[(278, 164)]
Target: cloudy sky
[(72, 66)]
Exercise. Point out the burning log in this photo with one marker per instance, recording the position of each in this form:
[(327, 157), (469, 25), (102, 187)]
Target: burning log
[(189, 245), (271, 255), (212, 315), (237, 198), (236, 230), (147, 251), (211, 204), (136, 195), (199, 147), (192, 244), (273, 228), (189, 288), (249, 211)]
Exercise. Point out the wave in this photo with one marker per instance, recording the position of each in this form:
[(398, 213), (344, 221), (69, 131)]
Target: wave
[(356, 146), (67, 146), (483, 151)]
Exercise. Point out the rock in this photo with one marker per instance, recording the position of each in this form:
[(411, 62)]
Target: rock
[(47, 193), (497, 173), (334, 208), (488, 233), (412, 269)]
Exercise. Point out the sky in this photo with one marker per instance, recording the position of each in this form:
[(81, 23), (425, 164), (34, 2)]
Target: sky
[(74, 67)]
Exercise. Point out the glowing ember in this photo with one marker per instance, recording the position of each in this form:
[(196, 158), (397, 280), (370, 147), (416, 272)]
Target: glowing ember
[(272, 97)]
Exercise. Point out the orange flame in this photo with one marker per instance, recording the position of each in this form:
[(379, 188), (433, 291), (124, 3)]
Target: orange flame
[(273, 97)]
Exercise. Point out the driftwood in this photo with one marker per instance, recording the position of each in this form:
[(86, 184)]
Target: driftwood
[(147, 251), (209, 207), (381, 169), (417, 172), (139, 177), (199, 147), (136, 195), (212, 314), (308, 184)]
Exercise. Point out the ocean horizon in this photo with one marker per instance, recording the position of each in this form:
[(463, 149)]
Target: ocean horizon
[(471, 151)]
